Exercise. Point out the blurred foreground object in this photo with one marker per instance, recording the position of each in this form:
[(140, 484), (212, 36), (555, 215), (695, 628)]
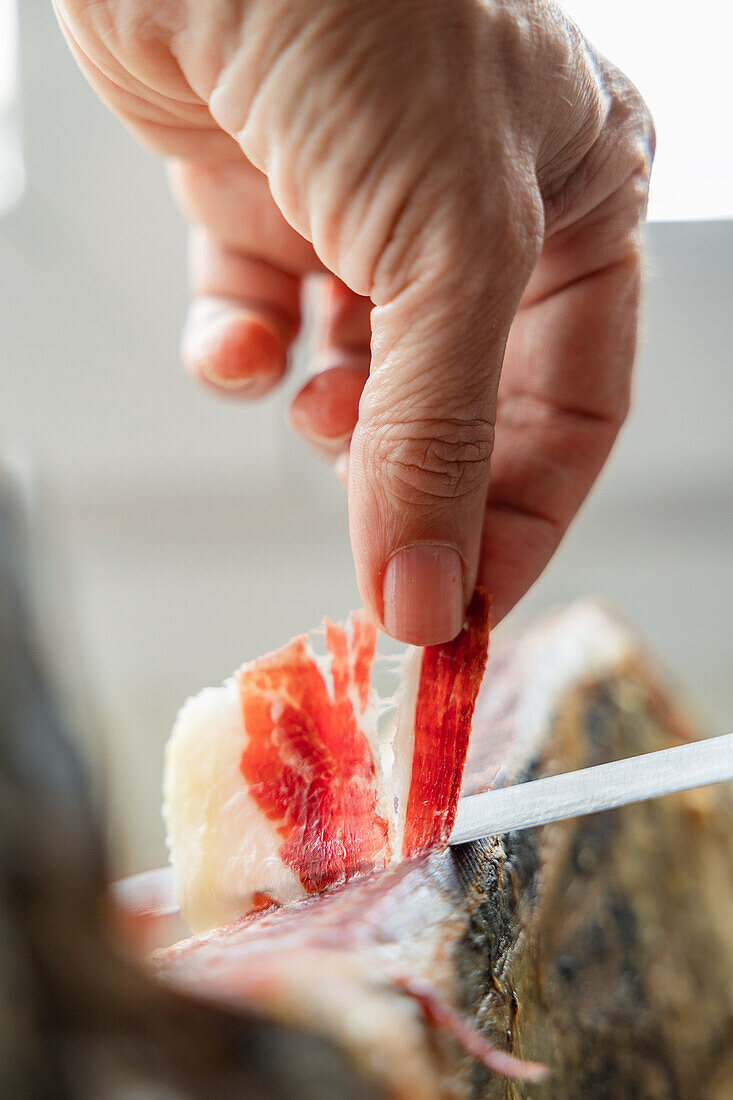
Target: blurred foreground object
[(78, 1019), (602, 947)]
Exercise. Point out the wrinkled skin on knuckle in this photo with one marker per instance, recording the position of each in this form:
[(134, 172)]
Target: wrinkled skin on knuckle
[(592, 130), (425, 462), (362, 139), (628, 111), (538, 68), (613, 175), (127, 49), (339, 116), (575, 101), (448, 292), (629, 130), (129, 40)]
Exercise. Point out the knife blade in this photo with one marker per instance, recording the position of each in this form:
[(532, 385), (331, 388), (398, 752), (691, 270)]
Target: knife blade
[(524, 805), (590, 790)]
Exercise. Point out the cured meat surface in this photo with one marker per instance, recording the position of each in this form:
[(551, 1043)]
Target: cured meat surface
[(307, 764), (450, 677), (282, 782), (601, 948)]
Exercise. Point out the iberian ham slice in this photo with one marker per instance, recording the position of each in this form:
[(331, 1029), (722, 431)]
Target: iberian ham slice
[(281, 783), (308, 763), (450, 677)]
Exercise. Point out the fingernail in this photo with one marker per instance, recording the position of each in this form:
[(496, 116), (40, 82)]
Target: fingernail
[(326, 408), (237, 352), (328, 445), (423, 594), (217, 378)]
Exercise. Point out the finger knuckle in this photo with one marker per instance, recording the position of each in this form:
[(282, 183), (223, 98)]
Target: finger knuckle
[(432, 460), (629, 124)]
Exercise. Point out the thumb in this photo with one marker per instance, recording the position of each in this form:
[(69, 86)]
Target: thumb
[(420, 453)]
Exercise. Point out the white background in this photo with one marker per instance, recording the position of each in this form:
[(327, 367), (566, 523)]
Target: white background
[(678, 55)]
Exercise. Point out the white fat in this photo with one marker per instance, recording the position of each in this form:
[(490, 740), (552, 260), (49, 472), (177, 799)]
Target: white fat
[(317, 650), (377, 722), (386, 727), (222, 847), (398, 749)]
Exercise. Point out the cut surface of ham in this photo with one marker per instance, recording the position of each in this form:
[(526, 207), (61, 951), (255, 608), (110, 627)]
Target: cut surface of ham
[(295, 775), (600, 947)]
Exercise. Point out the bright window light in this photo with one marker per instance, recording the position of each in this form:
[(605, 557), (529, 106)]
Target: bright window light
[(679, 57)]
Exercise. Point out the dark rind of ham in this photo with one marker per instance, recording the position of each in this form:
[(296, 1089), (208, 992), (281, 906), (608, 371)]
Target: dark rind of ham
[(450, 678), (443, 1017)]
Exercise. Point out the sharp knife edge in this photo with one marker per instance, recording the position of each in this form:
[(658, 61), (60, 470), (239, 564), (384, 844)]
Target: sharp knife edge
[(589, 790)]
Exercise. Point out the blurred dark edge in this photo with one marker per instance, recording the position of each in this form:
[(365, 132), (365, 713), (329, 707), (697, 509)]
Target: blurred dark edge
[(78, 1018)]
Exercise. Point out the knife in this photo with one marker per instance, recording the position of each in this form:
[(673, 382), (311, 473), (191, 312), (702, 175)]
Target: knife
[(590, 790), (524, 805)]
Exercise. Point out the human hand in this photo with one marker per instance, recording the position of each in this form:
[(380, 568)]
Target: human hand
[(469, 180)]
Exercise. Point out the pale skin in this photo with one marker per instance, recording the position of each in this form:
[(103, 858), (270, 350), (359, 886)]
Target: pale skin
[(468, 179)]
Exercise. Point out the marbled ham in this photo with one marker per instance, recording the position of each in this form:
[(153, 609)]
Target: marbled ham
[(308, 763), (279, 784), (601, 947)]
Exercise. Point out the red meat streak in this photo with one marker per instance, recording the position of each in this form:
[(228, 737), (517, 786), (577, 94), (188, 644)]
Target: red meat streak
[(450, 678), (309, 767), (307, 763), (261, 902)]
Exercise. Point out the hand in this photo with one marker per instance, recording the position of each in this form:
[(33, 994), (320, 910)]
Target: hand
[(469, 179)]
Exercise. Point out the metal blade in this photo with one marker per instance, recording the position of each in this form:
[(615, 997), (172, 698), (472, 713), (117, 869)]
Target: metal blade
[(589, 790)]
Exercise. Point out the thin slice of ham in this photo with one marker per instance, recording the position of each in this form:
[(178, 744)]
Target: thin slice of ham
[(279, 783), (450, 678), (308, 763)]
